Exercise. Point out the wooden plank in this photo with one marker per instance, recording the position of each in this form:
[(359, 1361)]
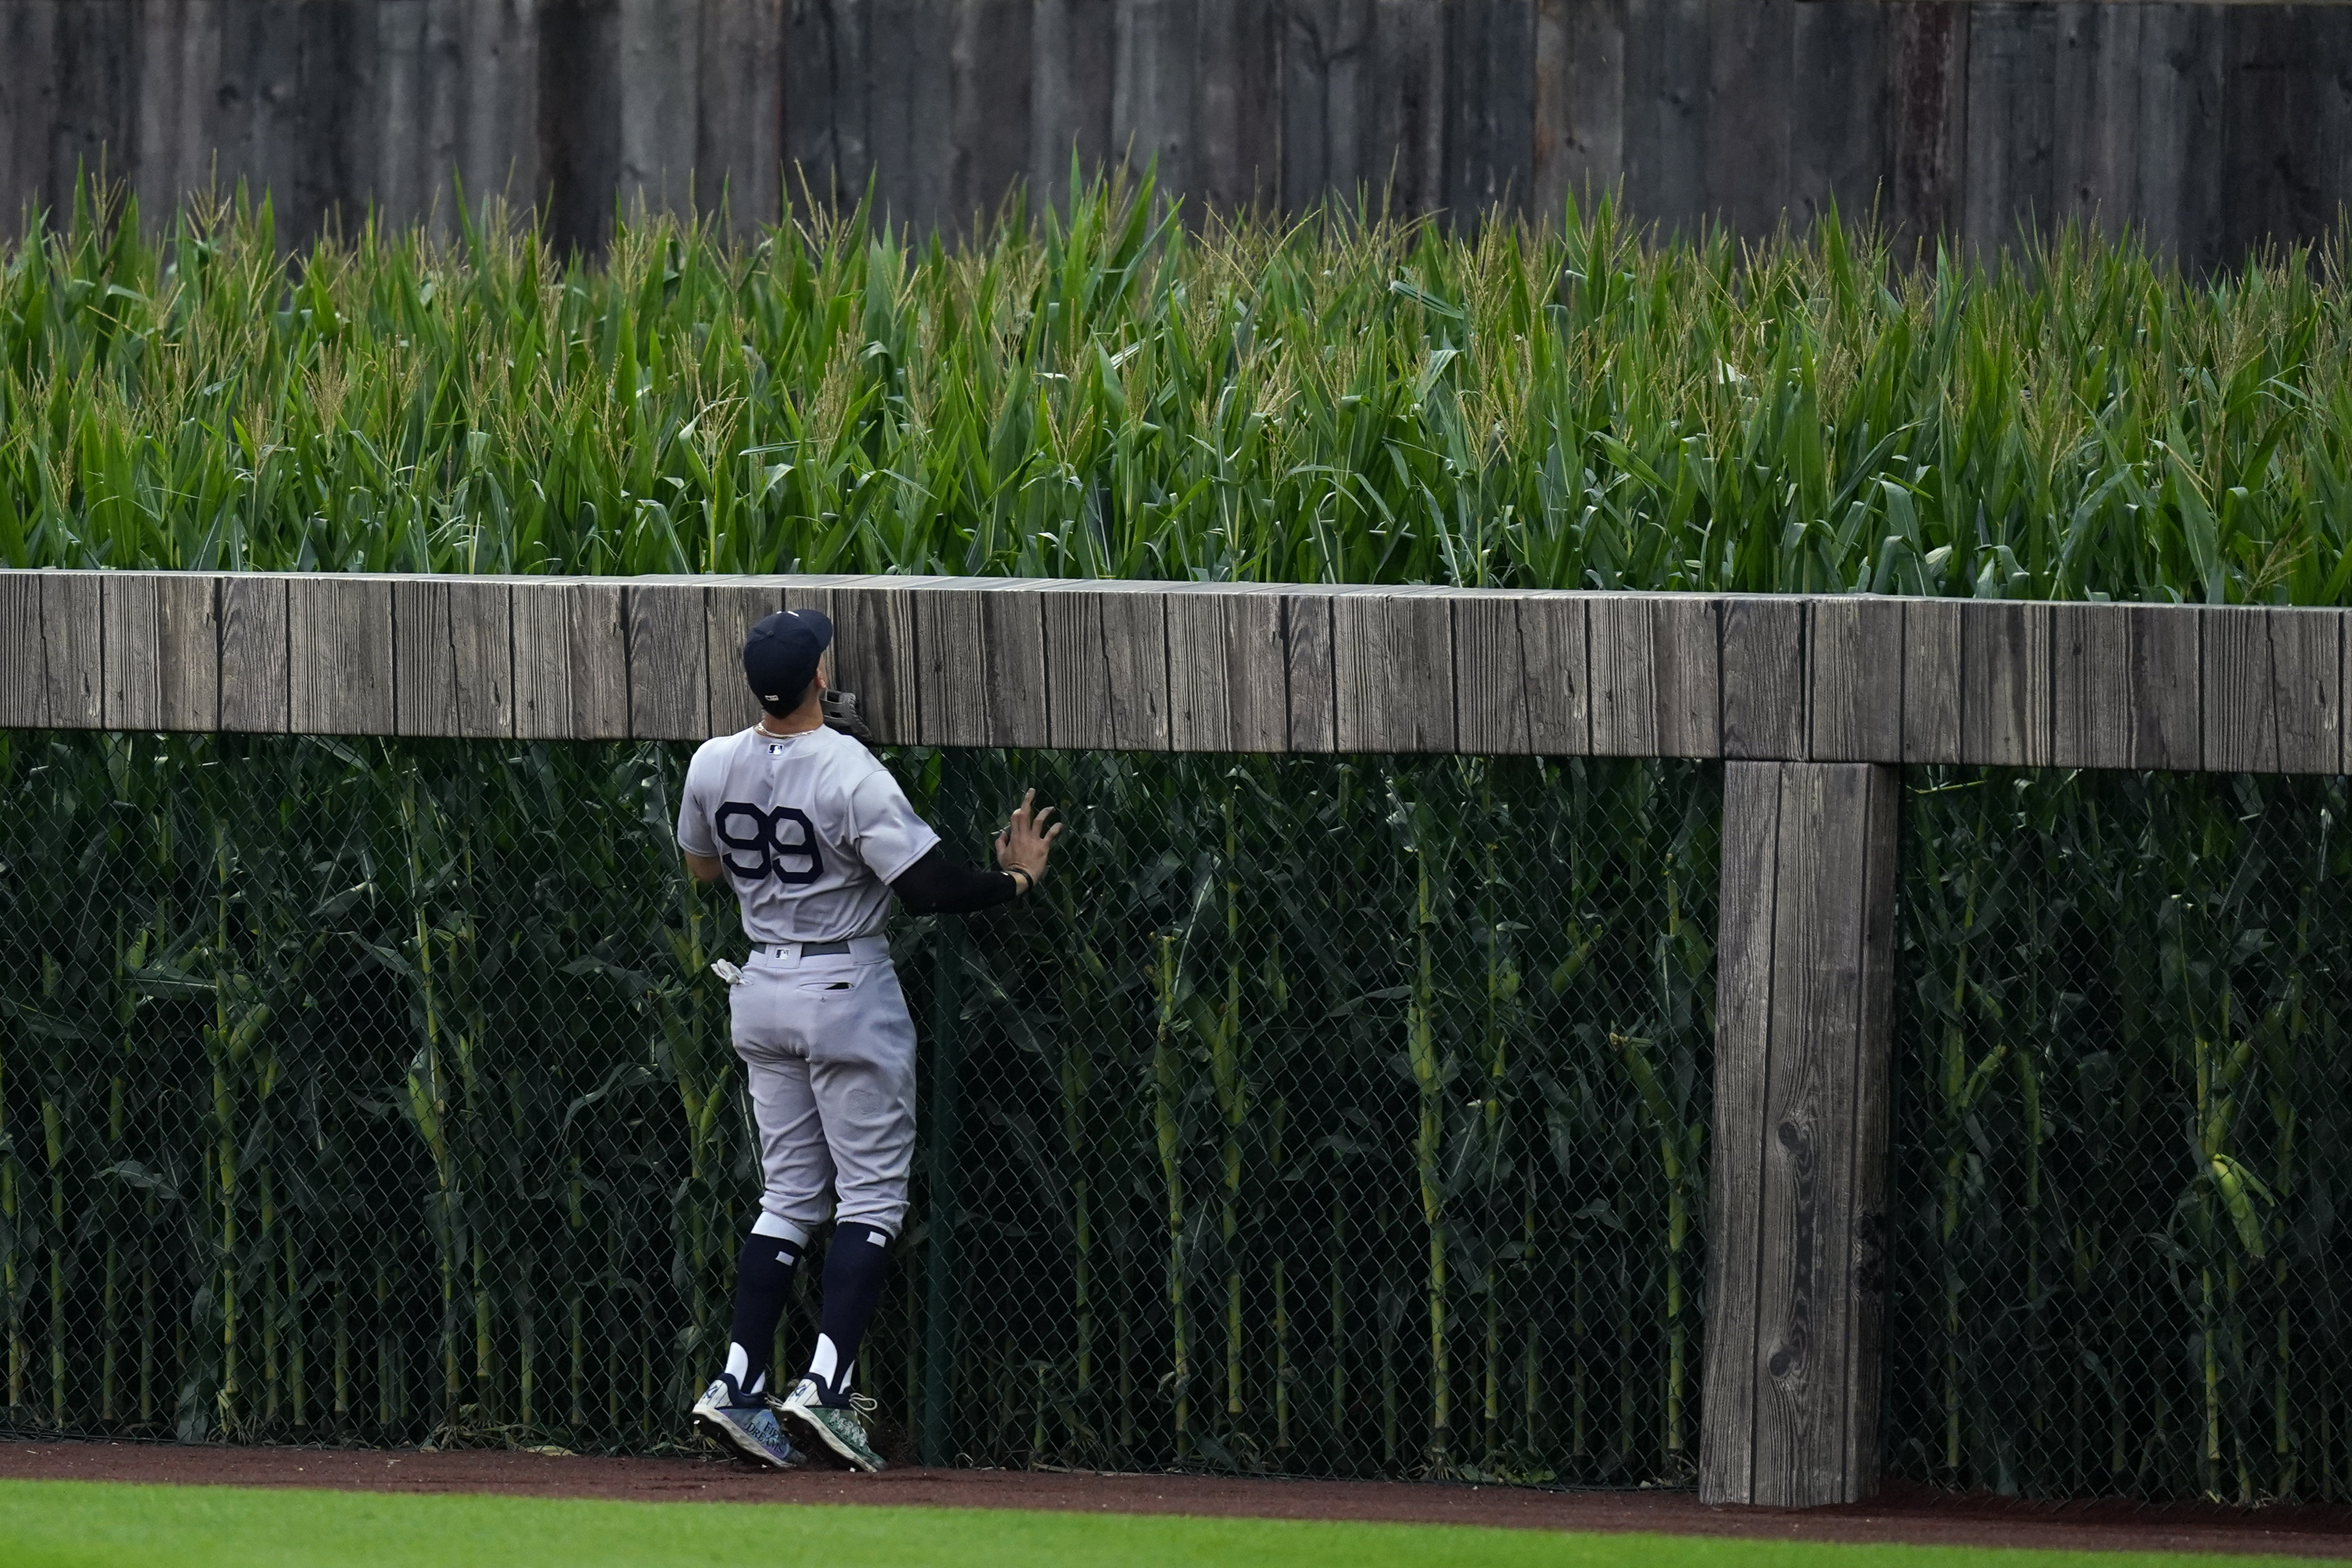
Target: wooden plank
[(481, 641), (1624, 676), (1931, 680), (161, 48), (990, 63), (1310, 671), (162, 656), (1012, 635), (730, 610), (2005, 698), (1135, 642), (1491, 676), (1236, 105), (2167, 725), (1072, 55), (952, 704), (1326, 62), (580, 130), (2178, 175), (454, 638), (1688, 649), (1580, 110), (29, 87), (669, 693), (1855, 661), (1558, 673), (2097, 115), (658, 90), (571, 660), (2090, 678), (256, 679), (1522, 681), (2272, 694), (1743, 1041), (1928, 49), (1839, 110), (132, 695), (875, 655), (1405, 108), (1106, 667), (91, 125), (1077, 708), (600, 661), (2275, 146), (1666, 69), (1764, 678), (1803, 1364), (398, 108), (1152, 88), (2124, 681), (72, 650), (497, 90), (187, 642), (425, 687), (542, 660), (1392, 659), (340, 680), (1490, 100), (1200, 701), (23, 698), (1750, 88), (909, 111), (740, 124), (333, 154), (2011, 133)]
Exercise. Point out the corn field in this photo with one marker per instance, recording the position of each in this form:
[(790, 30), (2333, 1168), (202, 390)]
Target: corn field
[(1098, 392), (1332, 1117), (2122, 1161), (1325, 1116)]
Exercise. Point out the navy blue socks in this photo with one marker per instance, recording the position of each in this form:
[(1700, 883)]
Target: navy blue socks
[(763, 1278), (854, 1266)]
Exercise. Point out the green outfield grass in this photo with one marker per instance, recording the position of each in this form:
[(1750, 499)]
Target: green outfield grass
[(80, 1524)]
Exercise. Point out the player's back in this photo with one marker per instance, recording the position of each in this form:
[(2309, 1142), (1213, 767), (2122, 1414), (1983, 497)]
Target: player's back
[(810, 827)]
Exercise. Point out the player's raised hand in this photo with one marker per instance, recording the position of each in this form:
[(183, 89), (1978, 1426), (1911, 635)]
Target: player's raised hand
[(1025, 843)]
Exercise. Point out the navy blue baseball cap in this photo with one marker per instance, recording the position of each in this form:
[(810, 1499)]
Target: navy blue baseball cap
[(780, 657)]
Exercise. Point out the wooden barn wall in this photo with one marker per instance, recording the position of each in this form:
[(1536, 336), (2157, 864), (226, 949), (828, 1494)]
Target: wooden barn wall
[(2212, 127)]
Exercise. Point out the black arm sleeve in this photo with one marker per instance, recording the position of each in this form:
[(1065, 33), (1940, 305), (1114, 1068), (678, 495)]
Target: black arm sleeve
[(934, 886)]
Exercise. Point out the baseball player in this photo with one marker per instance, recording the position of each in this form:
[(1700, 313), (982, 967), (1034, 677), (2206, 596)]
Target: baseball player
[(813, 835)]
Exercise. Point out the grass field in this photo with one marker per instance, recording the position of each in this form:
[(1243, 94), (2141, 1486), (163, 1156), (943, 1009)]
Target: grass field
[(81, 1525)]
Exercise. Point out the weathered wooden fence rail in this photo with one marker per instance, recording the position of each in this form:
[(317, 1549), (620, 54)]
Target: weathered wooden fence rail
[(1810, 701), (2212, 127), (1195, 667)]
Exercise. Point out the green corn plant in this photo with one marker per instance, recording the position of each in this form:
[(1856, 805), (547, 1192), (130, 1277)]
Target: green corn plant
[(1170, 1093)]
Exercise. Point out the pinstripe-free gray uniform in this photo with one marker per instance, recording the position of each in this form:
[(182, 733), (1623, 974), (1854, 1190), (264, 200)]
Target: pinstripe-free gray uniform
[(810, 830)]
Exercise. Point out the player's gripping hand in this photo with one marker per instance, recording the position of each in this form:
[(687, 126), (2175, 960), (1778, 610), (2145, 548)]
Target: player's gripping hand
[(1023, 847)]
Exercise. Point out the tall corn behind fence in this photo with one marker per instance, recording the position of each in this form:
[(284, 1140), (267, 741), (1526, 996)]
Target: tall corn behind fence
[(1328, 1117), (1342, 1117)]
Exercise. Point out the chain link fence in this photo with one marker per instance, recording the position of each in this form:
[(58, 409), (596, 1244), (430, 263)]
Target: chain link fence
[(1322, 1116), (2123, 1157)]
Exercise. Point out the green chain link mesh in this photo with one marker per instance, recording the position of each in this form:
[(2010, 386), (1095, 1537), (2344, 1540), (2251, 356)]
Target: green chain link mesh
[(1337, 1117), (2123, 1156)]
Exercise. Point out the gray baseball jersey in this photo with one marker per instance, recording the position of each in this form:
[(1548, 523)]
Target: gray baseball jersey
[(811, 830)]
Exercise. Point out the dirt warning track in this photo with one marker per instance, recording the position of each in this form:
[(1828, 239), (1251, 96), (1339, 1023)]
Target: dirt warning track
[(1904, 1513)]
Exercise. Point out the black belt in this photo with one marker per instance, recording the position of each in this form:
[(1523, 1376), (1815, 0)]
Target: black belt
[(812, 949)]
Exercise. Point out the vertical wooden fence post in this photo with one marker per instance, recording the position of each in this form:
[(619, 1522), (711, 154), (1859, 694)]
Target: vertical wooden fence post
[(1797, 1229)]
